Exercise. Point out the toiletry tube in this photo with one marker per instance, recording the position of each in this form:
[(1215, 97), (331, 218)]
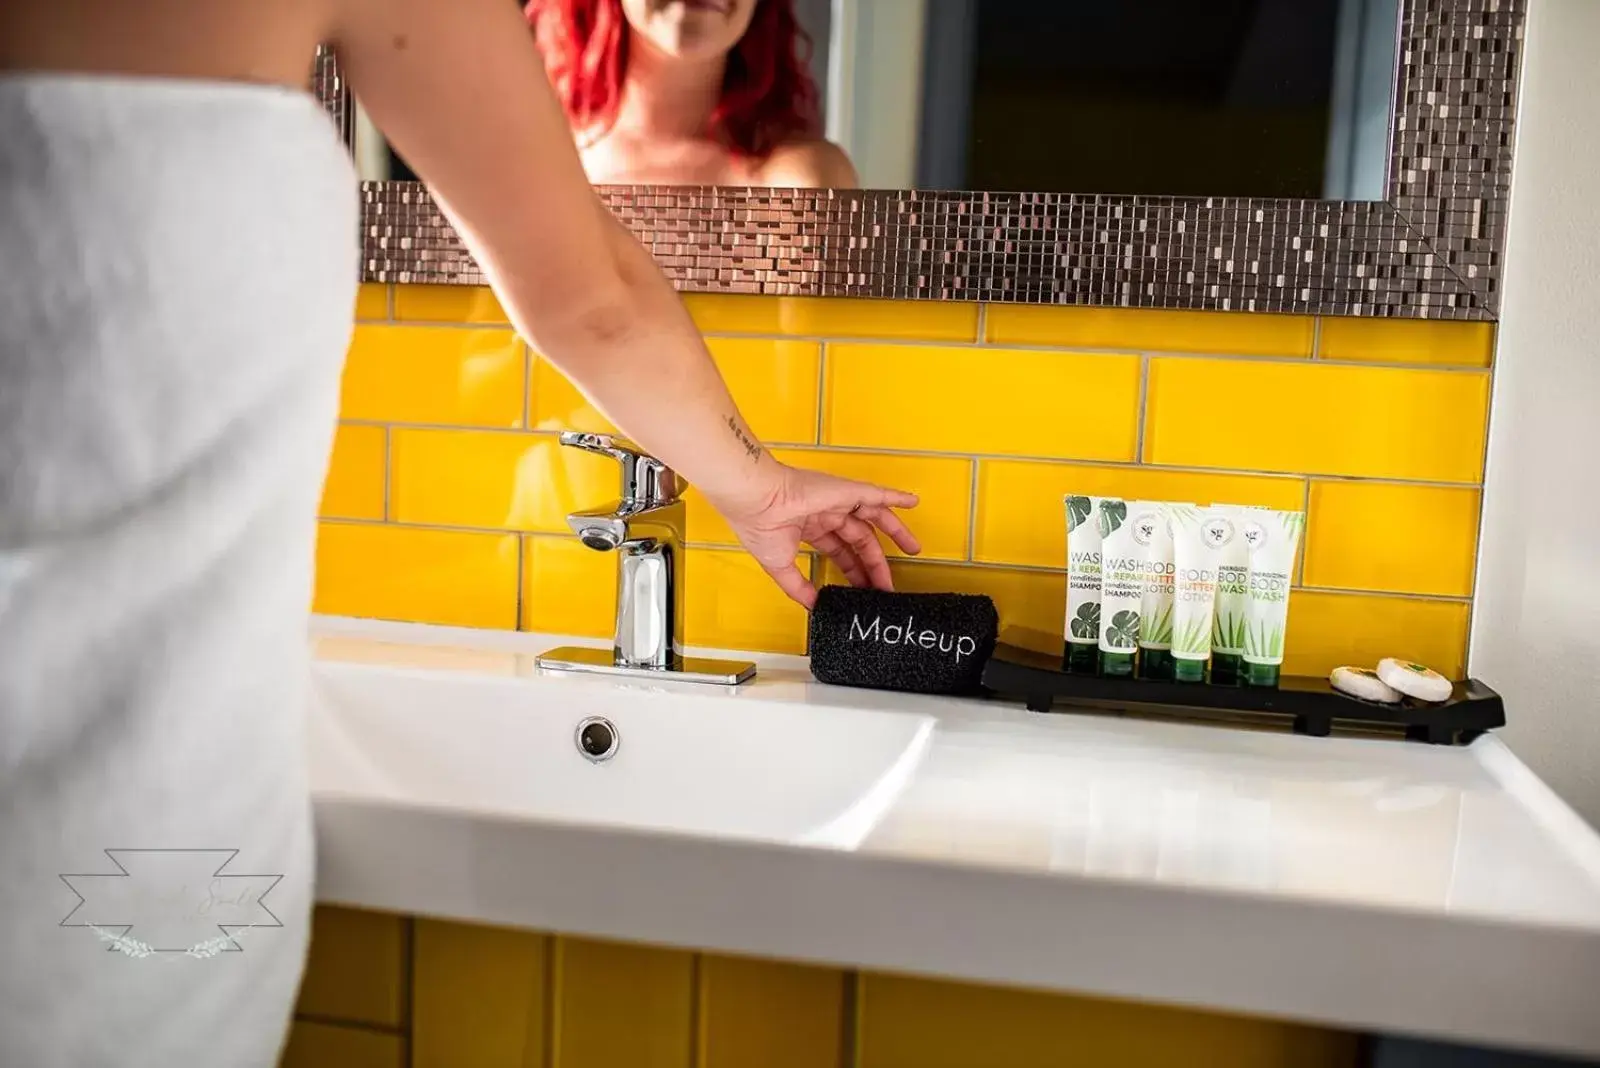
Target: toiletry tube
[(1082, 626), (1273, 538), (1152, 533), (1198, 537), (1233, 598), (1121, 588)]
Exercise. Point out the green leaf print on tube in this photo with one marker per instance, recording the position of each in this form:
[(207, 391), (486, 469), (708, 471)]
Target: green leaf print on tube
[(1152, 534), (1121, 587), (1274, 538)]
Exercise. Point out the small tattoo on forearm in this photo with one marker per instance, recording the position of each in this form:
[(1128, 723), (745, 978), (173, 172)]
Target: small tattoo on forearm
[(750, 445)]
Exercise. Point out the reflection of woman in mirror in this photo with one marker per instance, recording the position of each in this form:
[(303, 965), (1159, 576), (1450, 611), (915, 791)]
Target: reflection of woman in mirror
[(688, 92)]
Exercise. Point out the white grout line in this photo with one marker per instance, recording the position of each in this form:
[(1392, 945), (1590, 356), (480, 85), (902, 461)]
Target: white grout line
[(1070, 461), (1305, 510), (983, 323), (1144, 404), (527, 384), (822, 388), (522, 551), (388, 468), (1316, 337), (972, 513)]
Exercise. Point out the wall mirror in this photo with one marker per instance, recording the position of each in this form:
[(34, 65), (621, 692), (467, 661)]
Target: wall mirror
[(1329, 156)]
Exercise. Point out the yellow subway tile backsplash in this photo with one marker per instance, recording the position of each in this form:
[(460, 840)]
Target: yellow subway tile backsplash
[(451, 577), (1020, 510), (479, 996), (730, 603), (1015, 402), (313, 1044), (944, 484), (431, 374), (468, 478), (768, 1014), (834, 317), (568, 588), (1158, 331), (622, 1005), (773, 382), (448, 304), (354, 488), (356, 968), (372, 301), (1317, 418), (1031, 601), (1327, 630), (926, 1023), (1383, 536), (1423, 341)]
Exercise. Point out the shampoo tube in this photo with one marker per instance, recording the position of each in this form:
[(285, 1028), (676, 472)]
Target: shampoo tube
[(1121, 588), (1273, 538), (1152, 533), (1233, 598), (1198, 538), (1082, 627)]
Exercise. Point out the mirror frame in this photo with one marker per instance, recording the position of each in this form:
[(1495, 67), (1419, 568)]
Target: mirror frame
[(1430, 250)]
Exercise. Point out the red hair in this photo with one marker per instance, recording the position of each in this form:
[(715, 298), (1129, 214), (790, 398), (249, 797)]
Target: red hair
[(768, 94)]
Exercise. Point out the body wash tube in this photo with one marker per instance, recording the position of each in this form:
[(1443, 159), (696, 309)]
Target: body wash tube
[(1199, 536), (1233, 596), (1273, 538), (1152, 533), (1082, 628), (1121, 588)]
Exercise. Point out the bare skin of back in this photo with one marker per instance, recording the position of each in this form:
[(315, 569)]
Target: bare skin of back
[(459, 89)]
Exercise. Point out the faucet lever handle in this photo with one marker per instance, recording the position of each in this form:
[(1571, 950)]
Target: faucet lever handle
[(644, 478)]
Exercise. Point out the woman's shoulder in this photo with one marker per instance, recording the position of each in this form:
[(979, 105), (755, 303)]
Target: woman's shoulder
[(809, 164)]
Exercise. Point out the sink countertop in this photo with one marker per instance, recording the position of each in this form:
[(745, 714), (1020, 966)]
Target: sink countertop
[(1365, 883)]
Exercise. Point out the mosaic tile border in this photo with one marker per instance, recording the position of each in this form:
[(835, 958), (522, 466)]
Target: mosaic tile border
[(1432, 250)]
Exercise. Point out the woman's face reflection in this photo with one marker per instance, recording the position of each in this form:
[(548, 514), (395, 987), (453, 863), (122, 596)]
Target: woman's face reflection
[(690, 29)]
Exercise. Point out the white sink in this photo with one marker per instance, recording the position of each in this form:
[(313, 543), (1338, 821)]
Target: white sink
[(743, 768)]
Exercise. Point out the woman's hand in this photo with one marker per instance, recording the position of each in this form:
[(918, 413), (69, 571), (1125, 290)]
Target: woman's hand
[(837, 517)]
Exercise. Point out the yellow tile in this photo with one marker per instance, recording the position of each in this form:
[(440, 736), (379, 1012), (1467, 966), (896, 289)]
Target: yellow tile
[(1435, 341), (356, 967), (923, 1023), (912, 320), (323, 1045), (1014, 402), (767, 1013), (448, 304), (622, 1005), (773, 382), (1330, 629), (1229, 333), (1030, 603), (479, 997), (354, 486), (481, 479), (1020, 516), (943, 483), (1401, 539), (567, 588), (434, 374), (372, 301), (422, 576), (730, 603), (1317, 418)]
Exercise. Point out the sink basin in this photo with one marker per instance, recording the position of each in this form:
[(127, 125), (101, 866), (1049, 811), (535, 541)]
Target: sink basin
[(742, 768)]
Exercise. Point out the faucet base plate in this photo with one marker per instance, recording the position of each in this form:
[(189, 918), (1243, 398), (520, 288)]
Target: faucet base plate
[(585, 660)]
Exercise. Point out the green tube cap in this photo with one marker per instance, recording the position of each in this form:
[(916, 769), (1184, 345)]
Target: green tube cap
[(1116, 665), (1189, 670), (1083, 658), (1155, 663), (1261, 674)]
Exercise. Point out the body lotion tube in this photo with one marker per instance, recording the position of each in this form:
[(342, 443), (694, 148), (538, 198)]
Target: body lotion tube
[(1152, 532), (1121, 588), (1082, 627), (1273, 538), (1199, 537)]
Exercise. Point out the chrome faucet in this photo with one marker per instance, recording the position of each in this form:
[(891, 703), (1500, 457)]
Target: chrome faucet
[(645, 528)]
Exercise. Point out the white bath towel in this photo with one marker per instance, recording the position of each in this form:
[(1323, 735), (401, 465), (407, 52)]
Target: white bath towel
[(177, 272)]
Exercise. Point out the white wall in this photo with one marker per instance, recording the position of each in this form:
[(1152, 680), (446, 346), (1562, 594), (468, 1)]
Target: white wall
[(1536, 622), (875, 87)]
